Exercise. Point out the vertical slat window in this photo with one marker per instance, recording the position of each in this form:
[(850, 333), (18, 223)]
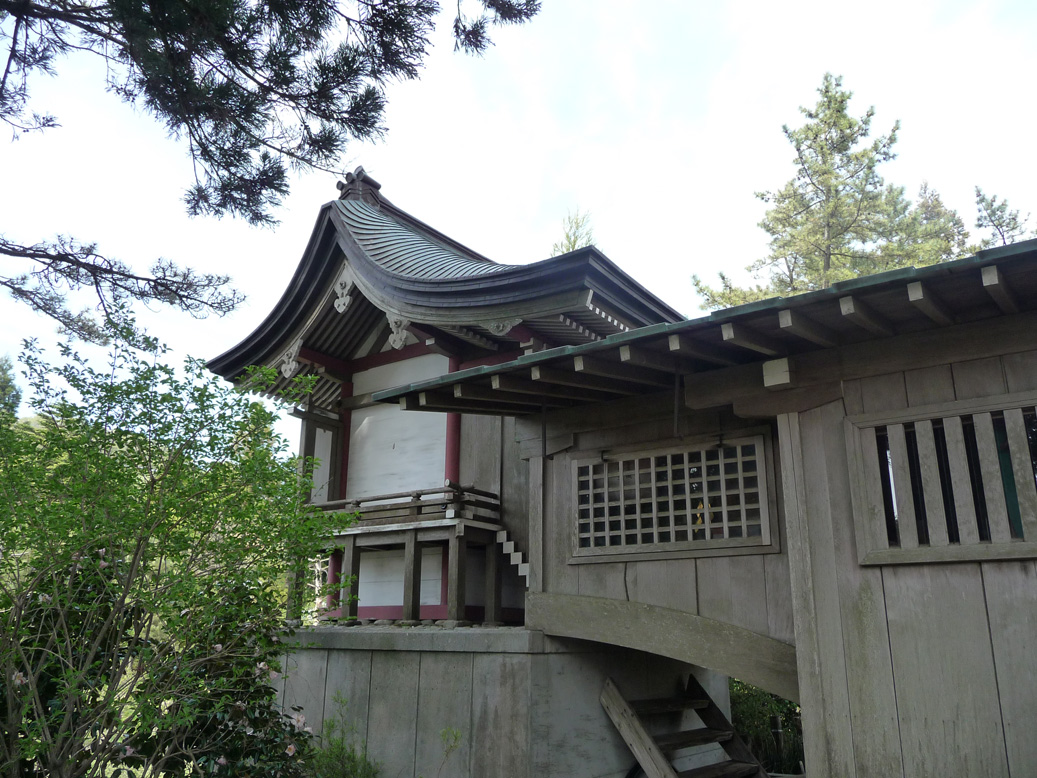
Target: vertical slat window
[(685, 498), (962, 479)]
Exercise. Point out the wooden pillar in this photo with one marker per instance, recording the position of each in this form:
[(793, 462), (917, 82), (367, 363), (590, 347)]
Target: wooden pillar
[(411, 577), (457, 553), (350, 577), (334, 595), (452, 469), (493, 584)]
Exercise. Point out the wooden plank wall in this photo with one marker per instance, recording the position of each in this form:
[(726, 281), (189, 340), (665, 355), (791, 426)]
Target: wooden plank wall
[(750, 591), (912, 670)]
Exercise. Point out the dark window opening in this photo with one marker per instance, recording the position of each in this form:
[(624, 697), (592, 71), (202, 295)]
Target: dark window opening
[(882, 443), (975, 477), (946, 483)]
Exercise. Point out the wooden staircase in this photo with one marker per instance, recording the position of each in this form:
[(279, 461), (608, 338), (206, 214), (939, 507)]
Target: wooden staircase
[(515, 557), (653, 753)]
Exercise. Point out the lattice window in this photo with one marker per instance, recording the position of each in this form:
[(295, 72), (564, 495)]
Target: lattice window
[(949, 483), (687, 498)]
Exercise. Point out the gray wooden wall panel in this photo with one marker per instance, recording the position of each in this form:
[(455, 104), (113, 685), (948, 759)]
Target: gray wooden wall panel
[(481, 451), (978, 378), (607, 579), (733, 589), (1021, 371), (868, 665), (946, 688), (669, 583), (515, 494), (500, 704), (444, 702), (306, 673), (929, 385), (392, 724), (348, 690), (559, 521), (812, 550), (1011, 597), (779, 595)]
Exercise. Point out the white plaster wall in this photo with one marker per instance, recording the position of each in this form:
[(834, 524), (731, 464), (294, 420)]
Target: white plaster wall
[(381, 577), (322, 451), (392, 450)]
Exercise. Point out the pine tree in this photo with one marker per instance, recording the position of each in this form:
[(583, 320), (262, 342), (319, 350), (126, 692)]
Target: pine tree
[(10, 394), (577, 232), (838, 218), (1005, 225)]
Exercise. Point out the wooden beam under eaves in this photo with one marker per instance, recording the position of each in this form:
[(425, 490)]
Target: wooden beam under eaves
[(737, 335), (438, 401), (625, 372), (861, 314), (510, 383), (932, 306), (999, 290), (643, 357), (469, 392), (799, 325), (689, 347), (554, 375)]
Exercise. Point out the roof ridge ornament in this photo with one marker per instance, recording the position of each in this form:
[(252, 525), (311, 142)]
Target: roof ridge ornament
[(359, 186)]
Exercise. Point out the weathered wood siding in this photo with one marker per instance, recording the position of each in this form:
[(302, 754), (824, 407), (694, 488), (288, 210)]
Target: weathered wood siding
[(524, 705), (749, 589), (911, 669)]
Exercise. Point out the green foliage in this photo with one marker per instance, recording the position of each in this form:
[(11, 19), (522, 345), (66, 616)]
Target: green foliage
[(1005, 225), (837, 218), (576, 233), (339, 756), (10, 394), (148, 519), (752, 714)]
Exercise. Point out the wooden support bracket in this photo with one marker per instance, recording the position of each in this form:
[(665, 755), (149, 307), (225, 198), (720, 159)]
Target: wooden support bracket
[(738, 335), (864, 317), (807, 329), (928, 303), (996, 286)]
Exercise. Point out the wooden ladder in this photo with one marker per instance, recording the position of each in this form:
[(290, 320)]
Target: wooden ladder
[(652, 752)]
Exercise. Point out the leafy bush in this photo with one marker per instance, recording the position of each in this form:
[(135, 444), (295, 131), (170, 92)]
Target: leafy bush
[(752, 710), (148, 520), (338, 755)]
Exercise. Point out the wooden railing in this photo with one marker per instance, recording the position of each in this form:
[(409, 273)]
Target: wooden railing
[(450, 501)]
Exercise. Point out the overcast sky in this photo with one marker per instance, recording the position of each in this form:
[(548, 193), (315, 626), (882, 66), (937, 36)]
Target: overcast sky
[(659, 118)]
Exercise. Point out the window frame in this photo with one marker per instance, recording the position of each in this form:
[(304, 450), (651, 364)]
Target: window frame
[(766, 542)]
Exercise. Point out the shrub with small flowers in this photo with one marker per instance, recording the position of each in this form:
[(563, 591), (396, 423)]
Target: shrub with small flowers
[(148, 520)]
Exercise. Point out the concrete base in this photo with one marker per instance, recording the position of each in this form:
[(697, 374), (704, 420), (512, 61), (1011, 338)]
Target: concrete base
[(525, 704)]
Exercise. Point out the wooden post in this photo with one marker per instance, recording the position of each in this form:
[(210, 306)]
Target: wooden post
[(457, 553), (350, 576), (492, 614), (411, 577), (334, 577)]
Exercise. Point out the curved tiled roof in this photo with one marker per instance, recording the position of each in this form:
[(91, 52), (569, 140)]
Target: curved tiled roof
[(405, 252)]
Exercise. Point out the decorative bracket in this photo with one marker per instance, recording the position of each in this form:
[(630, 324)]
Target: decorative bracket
[(290, 363), (398, 325), (344, 288), (501, 327)]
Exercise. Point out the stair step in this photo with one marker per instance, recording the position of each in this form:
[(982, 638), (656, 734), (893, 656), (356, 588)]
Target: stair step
[(674, 741), (668, 705), (523, 570), (508, 547), (502, 535), (723, 770)]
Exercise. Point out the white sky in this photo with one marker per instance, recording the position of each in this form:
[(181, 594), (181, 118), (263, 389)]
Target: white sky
[(660, 118)]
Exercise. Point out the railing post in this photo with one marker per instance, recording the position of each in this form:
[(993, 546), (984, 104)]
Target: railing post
[(334, 590), (457, 551), (411, 577), (350, 577)]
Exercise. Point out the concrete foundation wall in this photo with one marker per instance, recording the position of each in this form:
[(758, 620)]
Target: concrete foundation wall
[(525, 705)]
